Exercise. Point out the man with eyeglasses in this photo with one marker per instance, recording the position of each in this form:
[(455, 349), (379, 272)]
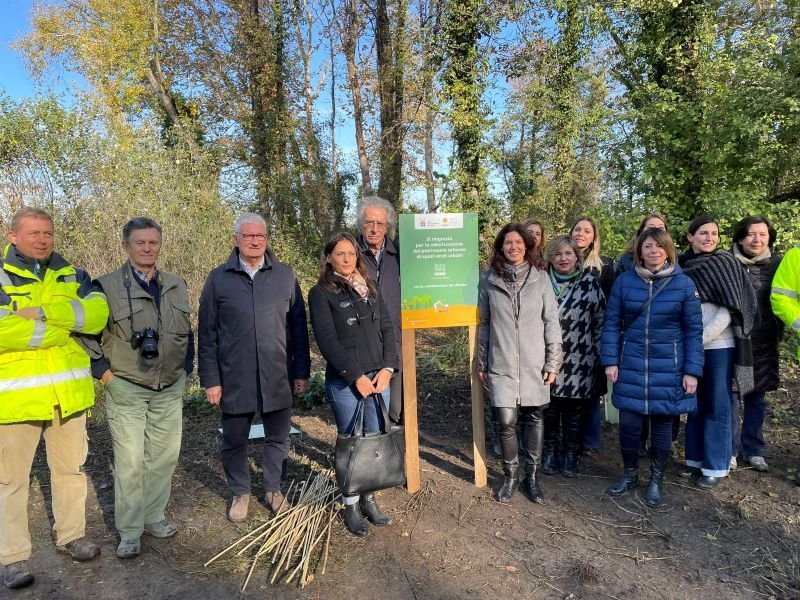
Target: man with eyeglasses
[(375, 218), (252, 355)]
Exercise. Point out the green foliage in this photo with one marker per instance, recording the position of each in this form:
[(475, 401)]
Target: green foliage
[(94, 183), (315, 396)]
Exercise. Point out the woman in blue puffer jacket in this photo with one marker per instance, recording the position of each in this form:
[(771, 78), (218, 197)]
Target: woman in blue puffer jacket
[(652, 350)]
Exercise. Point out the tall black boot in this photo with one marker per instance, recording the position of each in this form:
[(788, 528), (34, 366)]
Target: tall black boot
[(511, 470), (372, 511), (354, 520), (572, 439), (659, 458), (534, 441), (630, 476), (551, 463)]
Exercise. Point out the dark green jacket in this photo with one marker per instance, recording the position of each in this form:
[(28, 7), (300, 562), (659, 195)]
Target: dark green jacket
[(171, 320)]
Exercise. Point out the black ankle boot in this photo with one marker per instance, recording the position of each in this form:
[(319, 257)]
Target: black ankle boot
[(530, 487), (354, 520), (550, 462), (659, 457), (630, 476), (511, 470), (569, 468), (371, 510)]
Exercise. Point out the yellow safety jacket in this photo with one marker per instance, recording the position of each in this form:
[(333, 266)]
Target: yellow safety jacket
[(41, 363), (785, 296)]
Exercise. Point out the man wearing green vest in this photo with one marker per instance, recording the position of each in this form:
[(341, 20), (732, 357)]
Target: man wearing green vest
[(785, 298), (148, 349), (45, 388)]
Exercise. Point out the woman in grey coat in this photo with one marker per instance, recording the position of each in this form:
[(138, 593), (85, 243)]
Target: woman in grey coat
[(519, 352)]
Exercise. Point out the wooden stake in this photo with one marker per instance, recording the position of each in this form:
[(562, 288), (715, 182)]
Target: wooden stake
[(410, 411), (478, 423)]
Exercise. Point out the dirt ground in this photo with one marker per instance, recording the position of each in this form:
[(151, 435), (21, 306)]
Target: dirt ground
[(452, 540)]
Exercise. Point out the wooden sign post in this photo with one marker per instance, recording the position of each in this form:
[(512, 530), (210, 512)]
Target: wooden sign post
[(439, 288)]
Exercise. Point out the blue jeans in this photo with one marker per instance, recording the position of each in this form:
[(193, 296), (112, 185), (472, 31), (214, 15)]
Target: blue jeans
[(344, 401), (708, 430), (749, 438)]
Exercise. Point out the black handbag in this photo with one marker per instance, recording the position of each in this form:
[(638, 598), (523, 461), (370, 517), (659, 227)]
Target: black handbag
[(367, 462)]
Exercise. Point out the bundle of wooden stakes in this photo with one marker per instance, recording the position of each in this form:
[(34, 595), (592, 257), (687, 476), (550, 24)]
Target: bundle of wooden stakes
[(292, 538)]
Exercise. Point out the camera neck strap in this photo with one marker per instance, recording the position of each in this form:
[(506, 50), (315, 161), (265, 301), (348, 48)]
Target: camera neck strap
[(127, 274)]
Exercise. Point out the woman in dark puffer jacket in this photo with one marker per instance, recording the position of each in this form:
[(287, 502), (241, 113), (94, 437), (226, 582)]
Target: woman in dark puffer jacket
[(652, 350), (753, 238)]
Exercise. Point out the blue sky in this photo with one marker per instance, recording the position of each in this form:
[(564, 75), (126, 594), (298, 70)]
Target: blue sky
[(14, 22)]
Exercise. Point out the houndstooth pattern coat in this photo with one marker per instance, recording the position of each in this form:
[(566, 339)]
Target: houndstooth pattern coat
[(580, 311)]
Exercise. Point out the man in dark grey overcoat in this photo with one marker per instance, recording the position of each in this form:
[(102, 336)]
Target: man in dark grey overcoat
[(252, 355), (375, 218)]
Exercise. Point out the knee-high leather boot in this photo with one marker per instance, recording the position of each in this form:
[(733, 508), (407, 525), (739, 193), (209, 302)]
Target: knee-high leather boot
[(551, 462), (572, 439), (659, 458), (630, 476), (534, 440), (507, 432)]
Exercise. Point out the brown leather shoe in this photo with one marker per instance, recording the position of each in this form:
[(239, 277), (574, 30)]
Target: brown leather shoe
[(276, 502), (239, 506)]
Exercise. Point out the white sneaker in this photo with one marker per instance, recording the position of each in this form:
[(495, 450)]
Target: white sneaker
[(733, 463)]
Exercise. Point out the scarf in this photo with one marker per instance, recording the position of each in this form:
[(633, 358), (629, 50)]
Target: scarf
[(748, 261), (357, 282), (721, 279), (647, 275), (562, 282), (514, 278)]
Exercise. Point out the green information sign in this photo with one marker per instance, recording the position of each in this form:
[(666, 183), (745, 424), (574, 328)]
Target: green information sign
[(439, 270)]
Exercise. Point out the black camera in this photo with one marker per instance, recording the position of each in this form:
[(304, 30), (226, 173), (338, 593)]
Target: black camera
[(147, 341)]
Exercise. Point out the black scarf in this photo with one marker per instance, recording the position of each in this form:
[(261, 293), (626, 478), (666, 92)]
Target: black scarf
[(720, 279)]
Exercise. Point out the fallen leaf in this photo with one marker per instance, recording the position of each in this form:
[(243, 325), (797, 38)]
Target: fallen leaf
[(511, 568), (687, 509), (773, 494)]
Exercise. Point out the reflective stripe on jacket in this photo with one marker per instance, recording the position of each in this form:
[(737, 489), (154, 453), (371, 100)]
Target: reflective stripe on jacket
[(41, 363), (785, 296)]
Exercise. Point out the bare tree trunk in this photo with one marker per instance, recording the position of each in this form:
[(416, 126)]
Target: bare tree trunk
[(390, 63), (429, 12), (350, 35), (155, 78)]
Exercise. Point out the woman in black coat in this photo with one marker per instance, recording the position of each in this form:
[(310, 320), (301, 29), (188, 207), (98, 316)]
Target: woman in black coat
[(753, 238), (355, 335)]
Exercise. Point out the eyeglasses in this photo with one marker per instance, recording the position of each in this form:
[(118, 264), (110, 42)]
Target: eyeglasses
[(249, 237), (376, 224)]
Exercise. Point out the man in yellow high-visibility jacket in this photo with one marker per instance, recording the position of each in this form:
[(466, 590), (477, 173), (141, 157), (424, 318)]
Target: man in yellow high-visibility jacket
[(45, 388), (785, 297)]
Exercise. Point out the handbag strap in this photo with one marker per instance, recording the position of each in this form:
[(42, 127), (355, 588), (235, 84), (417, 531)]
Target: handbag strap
[(384, 412), (644, 306), (358, 425)]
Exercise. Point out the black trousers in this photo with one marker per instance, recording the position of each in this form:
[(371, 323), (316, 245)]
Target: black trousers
[(396, 398), (235, 432)]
